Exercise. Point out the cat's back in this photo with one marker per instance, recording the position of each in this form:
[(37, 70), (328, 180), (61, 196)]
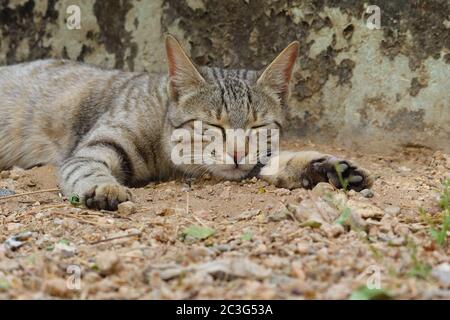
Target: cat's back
[(44, 78), (45, 102)]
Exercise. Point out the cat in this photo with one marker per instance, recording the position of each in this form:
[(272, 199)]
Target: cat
[(107, 130)]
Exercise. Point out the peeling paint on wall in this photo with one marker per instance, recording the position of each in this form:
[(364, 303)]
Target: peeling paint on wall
[(353, 84)]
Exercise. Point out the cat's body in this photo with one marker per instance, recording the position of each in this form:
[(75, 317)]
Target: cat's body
[(107, 128), (64, 104)]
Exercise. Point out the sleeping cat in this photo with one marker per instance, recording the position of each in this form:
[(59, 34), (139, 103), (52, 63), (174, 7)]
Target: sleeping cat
[(108, 129)]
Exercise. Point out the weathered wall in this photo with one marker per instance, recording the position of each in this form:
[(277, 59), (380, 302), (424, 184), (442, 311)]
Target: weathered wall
[(373, 88)]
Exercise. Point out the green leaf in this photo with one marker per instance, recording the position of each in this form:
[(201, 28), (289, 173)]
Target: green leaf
[(311, 223), (198, 232), (64, 241), (364, 293), (74, 200), (247, 236), (4, 284), (261, 190), (344, 182), (343, 217), (420, 270)]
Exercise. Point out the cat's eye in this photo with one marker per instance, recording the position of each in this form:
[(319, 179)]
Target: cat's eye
[(217, 127), (184, 123), (259, 126), (268, 125)]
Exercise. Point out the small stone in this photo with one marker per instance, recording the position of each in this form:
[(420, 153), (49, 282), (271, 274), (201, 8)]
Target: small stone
[(108, 262), (66, 250), (16, 241), (333, 230), (56, 287), (442, 274), (166, 212), (14, 226), (279, 215), (6, 192), (365, 209), (367, 193), (4, 174), (282, 192), (404, 169), (246, 215), (186, 188), (392, 210), (8, 265), (16, 173), (127, 208), (303, 248), (197, 253), (356, 222), (226, 194), (297, 270), (222, 247), (339, 291), (322, 188), (260, 249)]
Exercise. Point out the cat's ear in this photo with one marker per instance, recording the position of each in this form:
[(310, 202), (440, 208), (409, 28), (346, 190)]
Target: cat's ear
[(277, 75), (183, 75)]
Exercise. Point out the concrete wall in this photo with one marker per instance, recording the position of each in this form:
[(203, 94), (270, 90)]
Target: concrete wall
[(373, 88)]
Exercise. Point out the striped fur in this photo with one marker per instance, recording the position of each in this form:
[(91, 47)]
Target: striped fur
[(107, 129)]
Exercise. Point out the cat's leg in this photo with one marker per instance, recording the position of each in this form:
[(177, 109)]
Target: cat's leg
[(305, 169), (95, 173)]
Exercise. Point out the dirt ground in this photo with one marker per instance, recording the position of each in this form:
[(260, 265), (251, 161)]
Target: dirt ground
[(249, 240)]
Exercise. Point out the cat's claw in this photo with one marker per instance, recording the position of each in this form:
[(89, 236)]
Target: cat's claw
[(338, 172), (107, 196)]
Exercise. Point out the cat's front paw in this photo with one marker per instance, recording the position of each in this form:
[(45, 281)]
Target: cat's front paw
[(338, 172), (107, 196)]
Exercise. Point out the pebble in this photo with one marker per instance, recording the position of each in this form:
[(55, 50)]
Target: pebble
[(6, 192), (126, 208), (166, 212), (333, 230), (304, 248), (365, 209), (282, 192), (442, 274), (108, 262), (66, 250), (356, 222), (4, 174), (222, 247), (225, 195), (8, 265), (56, 287), (367, 193), (260, 249), (13, 226), (279, 215), (16, 173), (322, 188), (392, 210)]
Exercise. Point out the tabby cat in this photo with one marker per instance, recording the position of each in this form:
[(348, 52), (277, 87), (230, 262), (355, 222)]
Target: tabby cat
[(108, 129)]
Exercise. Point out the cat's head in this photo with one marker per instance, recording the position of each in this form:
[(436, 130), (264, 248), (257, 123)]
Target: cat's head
[(234, 105)]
